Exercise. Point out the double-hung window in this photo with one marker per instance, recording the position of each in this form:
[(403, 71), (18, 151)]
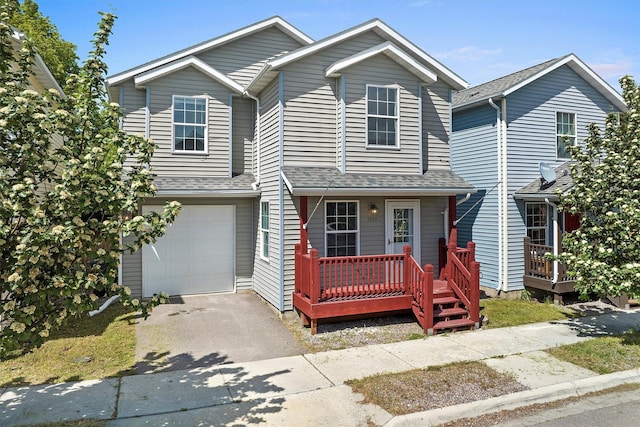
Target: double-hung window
[(382, 116), (189, 124), (538, 223), (565, 133), (341, 228), (264, 230)]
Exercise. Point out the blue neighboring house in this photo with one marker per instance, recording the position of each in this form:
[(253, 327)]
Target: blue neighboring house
[(502, 131)]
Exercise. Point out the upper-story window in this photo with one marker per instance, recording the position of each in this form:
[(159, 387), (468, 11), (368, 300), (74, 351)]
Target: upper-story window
[(382, 116), (565, 133), (189, 124)]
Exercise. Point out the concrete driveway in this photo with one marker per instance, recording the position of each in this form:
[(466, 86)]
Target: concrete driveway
[(205, 330)]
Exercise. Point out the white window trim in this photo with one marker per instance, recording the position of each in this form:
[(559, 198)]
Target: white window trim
[(575, 128), (263, 230), (546, 227), (206, 127), (397, 117), (356, 232)]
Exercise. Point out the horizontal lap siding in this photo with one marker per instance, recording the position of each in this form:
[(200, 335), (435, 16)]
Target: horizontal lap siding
[(134, 112), (532, 138), (474, 158), (311, 101), (190, 82), (381, 70), (245, 223), (436, 119), (266, 274), (372, 229), (243, 124), (241, 59)]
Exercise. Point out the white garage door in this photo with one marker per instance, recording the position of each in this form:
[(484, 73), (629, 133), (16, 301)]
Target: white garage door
[(195, 256)]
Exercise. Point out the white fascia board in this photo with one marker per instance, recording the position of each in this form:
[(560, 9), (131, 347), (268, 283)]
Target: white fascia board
[(352, 192), (207, 193), (457, 82), (583, 71), (393, 52), (276, 21), (142, 79)]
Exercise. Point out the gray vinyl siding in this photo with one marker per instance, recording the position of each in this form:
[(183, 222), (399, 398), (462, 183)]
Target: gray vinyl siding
[(372, 229), (246, 224), (243, 119), (531, 138), (360, 158), (531, 121), (266, 280), (134, 104), (474, 158), (311, 102), (436, 122), (189, 82), (241, 59)]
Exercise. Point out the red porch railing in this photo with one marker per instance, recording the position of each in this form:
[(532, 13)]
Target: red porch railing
[(339, 286)]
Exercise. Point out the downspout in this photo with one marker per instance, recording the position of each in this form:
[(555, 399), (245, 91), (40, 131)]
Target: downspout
[(499, 158), (256, 184), (555, 239), (230, 136), (505, 205)]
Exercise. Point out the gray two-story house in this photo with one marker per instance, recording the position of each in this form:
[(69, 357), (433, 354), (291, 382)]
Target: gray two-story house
[(264, 134), (509, 140)]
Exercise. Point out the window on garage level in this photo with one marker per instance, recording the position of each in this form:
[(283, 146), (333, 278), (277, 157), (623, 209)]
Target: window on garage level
[(382, 116), (189, 124), (341, 228), (264, 230)]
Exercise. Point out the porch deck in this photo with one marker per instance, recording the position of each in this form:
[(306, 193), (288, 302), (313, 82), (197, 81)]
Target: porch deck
[(539, 272), (338, 287)]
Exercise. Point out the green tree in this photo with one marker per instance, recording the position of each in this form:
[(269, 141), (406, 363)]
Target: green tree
[(59, 55), (67, 175), (604, 253)]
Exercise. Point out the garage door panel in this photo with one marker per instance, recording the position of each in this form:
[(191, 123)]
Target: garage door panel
[(196, 255)]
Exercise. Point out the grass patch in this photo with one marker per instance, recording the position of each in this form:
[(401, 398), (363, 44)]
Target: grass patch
[(503, 312), (86, 348), (436, 387), (603, 354)]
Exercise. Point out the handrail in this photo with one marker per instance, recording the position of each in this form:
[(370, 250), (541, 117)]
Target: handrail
[(538, 264)]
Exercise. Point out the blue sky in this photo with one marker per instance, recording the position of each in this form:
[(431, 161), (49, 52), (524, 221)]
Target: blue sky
[(479, 40)]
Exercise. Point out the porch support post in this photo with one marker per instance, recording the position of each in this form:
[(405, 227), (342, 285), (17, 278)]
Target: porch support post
[(304, 235), (452, 211)]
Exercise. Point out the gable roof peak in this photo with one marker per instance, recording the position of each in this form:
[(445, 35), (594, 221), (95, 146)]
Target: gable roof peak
[(505, 85), (274, 21)]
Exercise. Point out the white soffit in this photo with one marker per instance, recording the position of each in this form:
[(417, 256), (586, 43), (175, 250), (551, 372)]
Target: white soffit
[(393, 52), (142, 79), (275, 21)]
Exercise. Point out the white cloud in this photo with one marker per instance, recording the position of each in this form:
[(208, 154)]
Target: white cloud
[(612, 70)]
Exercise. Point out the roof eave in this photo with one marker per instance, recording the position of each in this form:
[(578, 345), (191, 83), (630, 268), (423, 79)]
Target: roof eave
[(218, 41), (356, 191)]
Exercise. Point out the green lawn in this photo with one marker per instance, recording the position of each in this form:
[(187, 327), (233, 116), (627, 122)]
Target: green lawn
[(507, 312), (86, 348)]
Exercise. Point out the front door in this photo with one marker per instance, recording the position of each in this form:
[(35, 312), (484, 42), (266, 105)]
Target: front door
[(402, 224)]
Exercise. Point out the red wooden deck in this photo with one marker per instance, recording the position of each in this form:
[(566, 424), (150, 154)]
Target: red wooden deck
[(335, 287)]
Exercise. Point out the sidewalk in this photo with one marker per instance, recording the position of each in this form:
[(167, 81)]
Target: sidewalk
[(309, 389)]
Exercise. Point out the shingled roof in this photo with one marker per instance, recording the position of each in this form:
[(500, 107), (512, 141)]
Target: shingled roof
[(539, 189), (200, 186), (315, 181), (503, 86)]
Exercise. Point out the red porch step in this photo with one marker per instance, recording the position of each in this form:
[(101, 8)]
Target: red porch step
[(450, 312), (454, 324)]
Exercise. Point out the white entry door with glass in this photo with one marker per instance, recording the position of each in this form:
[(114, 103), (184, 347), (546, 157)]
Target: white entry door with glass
[(402, 226)]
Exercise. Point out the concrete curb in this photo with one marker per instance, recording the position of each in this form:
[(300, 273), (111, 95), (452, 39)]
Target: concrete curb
[(516, 400)]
